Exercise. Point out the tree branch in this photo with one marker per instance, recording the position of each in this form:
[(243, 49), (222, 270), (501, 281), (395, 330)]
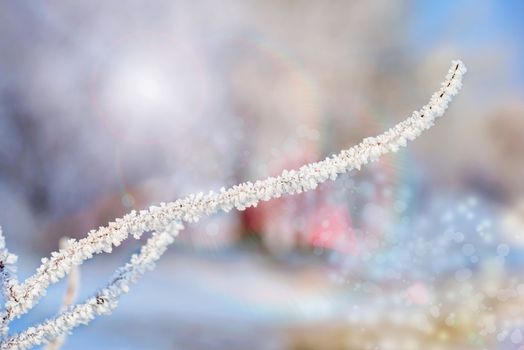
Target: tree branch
[(167, 217)]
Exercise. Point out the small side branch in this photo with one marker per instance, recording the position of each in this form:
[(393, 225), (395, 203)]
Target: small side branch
[(8, 282), (104, 301)]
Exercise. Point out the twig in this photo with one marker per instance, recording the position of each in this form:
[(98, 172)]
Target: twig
[(8, 282), (166, 220)]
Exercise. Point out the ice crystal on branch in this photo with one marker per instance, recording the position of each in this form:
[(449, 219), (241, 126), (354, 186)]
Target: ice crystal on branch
[(165, 221)]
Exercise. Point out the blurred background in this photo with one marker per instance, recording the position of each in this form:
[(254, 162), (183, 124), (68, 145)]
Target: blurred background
[(108, 106)]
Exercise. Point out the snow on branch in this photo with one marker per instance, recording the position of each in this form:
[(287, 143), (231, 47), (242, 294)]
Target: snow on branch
[(8, 282), (165, 221)]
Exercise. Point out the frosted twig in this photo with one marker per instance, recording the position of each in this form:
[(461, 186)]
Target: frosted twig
[(168, 217), (8, 282)]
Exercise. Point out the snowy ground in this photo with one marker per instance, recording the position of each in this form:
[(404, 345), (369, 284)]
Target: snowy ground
[(234, 299), (239, 298)]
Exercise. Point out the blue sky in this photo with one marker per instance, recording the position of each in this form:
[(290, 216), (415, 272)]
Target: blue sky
[(472, 24)]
